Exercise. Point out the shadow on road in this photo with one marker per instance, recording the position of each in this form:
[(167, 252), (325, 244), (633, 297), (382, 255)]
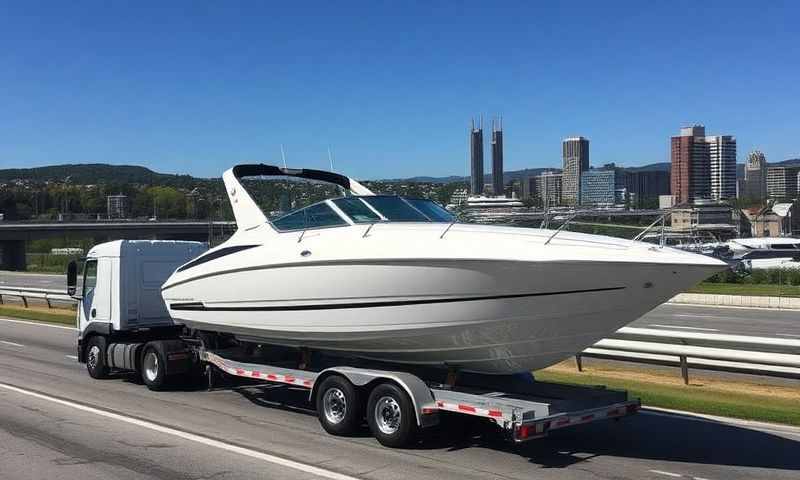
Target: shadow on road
[(644, 436)]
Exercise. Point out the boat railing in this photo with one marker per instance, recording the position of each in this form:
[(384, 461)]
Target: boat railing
[(660, 220), (561, 227)]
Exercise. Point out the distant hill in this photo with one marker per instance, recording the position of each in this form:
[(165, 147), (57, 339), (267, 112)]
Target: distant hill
[(101, 173), (97, 173), (653, 167)]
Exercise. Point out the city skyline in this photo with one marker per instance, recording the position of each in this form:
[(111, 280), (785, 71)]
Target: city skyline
[(194, 88)]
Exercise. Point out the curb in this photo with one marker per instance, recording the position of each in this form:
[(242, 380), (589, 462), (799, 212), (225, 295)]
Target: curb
[(747, 301)]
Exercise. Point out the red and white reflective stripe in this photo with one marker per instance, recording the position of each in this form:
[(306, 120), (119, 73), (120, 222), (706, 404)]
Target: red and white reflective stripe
[(469, 409), (272, 377)]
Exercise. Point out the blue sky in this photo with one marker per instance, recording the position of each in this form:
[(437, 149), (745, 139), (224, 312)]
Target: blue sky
[(194, 87)]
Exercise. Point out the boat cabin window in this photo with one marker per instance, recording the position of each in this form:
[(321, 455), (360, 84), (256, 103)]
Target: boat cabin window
[(430, 209), (357, 210), (395, 209), (315, 216)]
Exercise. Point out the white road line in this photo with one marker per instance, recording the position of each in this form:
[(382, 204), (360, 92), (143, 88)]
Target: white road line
[(71, 357), (38, 324), (681, 326), (787, 335), (5, 342), (668, 474), (689, 315), (321, 472), (699, 478)]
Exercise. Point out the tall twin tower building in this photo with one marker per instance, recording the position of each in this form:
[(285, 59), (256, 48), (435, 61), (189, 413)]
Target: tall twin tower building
[(476, 158)]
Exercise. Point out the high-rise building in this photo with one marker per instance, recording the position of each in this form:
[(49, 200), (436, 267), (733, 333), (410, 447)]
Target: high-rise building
[(755, 176), (703, 168), (528, 188), (691, 168), (722, 160), (549, 188), (643, 187), (782, 182), (497, 157), (476, 158), (597, 187), (575, 153), (117, 206)]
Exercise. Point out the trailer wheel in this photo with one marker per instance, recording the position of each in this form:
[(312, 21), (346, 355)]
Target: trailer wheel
[(339, 406), (96, 362), (154, 367), (391, 417)]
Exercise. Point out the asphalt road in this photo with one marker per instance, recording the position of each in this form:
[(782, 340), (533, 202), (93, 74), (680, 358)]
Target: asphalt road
[(56, 422), (740, 321)]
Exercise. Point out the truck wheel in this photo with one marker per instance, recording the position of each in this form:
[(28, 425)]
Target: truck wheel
[(391, 417), (339, 406), (154, 368), (96, 362)]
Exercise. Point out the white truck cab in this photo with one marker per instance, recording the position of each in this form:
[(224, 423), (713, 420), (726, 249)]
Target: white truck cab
[(121, 288)]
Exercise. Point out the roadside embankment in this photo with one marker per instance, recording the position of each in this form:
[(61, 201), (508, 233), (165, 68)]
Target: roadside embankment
[(52, 315), (746, 399)]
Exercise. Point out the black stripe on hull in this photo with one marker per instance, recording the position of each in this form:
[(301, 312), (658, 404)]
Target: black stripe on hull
[(336, 306)]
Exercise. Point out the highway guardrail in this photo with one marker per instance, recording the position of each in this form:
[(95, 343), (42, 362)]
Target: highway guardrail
[(25, 294)]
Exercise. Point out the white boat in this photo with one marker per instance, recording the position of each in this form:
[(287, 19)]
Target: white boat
[(766, 252), (396, 279)]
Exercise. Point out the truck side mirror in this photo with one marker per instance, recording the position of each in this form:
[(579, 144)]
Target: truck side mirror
[(72, 278)]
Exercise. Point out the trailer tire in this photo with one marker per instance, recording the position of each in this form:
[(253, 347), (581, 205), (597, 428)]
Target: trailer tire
[(391, 416), (339, 406), (154, 373), (96, 351)]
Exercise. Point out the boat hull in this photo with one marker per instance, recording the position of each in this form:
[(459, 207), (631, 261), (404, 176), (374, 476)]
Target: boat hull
[(477, 315)]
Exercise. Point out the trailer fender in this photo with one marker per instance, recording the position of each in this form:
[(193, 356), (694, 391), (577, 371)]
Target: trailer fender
[(416, 389)]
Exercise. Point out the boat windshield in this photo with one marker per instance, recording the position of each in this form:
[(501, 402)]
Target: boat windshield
[(366, 209)]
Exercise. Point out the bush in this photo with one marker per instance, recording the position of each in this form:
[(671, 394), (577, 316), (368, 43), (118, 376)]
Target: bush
[(767, 276)]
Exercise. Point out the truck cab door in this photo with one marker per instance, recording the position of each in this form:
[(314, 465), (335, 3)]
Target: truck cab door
[(96, 303)]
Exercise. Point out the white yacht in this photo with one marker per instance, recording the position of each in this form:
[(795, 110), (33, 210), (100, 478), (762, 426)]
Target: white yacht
[(396, 279), (767, 252)]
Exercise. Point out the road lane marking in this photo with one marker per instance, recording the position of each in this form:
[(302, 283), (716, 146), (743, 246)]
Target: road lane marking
[(210, 442), (6, 342), (681, 326), (38, 324), (691, 315), (71, 357), (668, 474), (787, 335)]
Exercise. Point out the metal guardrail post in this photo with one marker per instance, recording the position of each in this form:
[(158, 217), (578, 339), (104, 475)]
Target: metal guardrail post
[(684, 369), (24, 300), (579, 362)]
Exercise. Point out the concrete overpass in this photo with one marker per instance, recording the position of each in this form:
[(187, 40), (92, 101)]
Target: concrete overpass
[(13, 236)]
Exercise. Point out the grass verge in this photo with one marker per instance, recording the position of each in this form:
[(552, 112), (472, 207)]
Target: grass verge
[(713, 396), (757, 290), (65, 317)]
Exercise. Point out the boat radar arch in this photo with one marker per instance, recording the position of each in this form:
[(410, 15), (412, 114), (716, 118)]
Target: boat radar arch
[(246, 211)]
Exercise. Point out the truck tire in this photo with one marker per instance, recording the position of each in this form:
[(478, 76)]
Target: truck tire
[(339, 406), (391, 416), (96, 364), (154, 366)]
